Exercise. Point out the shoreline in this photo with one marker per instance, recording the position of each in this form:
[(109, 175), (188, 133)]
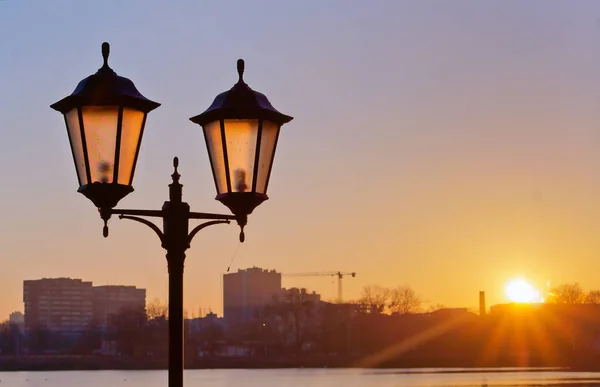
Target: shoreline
[(96, 363)]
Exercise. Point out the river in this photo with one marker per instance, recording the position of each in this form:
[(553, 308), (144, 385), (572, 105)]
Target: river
[(306, 378)]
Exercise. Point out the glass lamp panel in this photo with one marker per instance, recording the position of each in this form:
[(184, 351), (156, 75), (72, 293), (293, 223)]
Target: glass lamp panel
[(74, 131), (100, 125), (240, 136), (212, 135), (131, 130), (268, 141)]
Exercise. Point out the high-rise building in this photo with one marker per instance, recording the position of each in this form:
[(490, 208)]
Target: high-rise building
[(248, 291), (57, 304), (112, 299)]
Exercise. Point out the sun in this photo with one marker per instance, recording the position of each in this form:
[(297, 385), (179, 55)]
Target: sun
[(519, 290)]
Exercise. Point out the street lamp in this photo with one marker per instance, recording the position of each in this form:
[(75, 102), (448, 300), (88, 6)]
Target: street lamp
[(105, 118), (241, 129)]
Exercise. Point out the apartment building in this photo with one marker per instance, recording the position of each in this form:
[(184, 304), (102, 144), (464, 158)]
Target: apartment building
[(112, 299), (247, 291), (71, 305), (58, 304)]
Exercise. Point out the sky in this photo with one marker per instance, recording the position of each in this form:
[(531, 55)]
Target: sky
[(447, 146)]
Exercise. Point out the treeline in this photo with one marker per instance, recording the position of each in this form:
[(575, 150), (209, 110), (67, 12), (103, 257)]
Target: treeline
[(122, 334), (572, 294)]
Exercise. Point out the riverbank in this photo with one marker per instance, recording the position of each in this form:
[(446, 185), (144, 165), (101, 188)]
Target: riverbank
[(84, 363)]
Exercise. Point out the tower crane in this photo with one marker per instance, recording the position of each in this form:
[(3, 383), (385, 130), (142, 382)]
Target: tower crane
[(340, 275)]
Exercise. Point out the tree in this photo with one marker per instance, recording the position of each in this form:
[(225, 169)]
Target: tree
[(297, 313), (593, 297), (334, 328), (374, 299), (10, 339), (91, 339), (156, 309), (566, 294), (127, 329), (40, 338), (211, 336), (404, 300)]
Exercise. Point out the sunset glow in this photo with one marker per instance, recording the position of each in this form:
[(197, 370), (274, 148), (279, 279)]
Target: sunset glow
[(519, 290)]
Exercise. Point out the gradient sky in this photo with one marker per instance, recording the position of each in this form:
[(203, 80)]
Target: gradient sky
[(445, 145)]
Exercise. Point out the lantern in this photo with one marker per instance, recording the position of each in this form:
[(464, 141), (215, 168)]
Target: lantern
[(241, 129), (105, 118)]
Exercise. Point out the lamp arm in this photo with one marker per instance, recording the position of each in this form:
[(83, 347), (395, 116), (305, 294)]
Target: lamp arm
[(147, 223), (150, 213), (202, 226), (206, 216)]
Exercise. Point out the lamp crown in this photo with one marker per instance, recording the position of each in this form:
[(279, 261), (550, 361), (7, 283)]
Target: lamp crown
[(240, 69), (105, 53)]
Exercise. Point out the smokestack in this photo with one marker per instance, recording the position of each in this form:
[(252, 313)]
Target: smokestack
[(482, 311)]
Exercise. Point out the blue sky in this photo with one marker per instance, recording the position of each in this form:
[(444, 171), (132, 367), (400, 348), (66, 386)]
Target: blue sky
[(444, 145)]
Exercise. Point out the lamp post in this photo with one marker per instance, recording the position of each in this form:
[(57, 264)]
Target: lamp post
[(105, 118)]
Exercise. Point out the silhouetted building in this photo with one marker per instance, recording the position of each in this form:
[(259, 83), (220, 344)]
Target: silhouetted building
[(299, 294), (57, 304), (200, 324), (111, 299), (248, 291)]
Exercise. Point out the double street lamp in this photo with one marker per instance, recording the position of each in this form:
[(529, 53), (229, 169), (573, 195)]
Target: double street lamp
[(105, 118)]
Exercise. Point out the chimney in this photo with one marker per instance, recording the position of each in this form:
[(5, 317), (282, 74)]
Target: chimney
[(482, 311)]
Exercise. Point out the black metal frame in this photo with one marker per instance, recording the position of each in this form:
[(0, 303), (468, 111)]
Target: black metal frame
[(257, 155), (117, 159), (257, 151), (86, 158), (175, 238), (115, 190), (272, 158)]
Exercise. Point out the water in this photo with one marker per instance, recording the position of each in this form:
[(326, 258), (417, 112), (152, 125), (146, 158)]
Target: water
[(307, 378)]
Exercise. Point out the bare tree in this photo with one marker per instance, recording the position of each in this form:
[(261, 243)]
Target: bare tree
[(375, 298), (156, 309), (404, 300), (566, 294), (593, 297)]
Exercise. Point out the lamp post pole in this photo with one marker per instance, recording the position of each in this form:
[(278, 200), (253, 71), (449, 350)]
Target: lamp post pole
[(175, 239), (176, 222)]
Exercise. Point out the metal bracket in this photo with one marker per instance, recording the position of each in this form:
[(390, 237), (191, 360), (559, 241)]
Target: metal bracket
[(147, 223), (202, 226)]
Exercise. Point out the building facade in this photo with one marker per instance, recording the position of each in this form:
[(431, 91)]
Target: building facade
[(248, 291), (71, 305), (57, 304), (113, 299)]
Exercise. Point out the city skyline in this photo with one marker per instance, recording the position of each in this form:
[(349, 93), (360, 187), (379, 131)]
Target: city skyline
[(246, 289), (448, 147)]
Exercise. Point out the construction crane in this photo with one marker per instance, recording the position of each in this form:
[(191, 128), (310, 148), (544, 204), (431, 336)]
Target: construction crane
[(340, 275)]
